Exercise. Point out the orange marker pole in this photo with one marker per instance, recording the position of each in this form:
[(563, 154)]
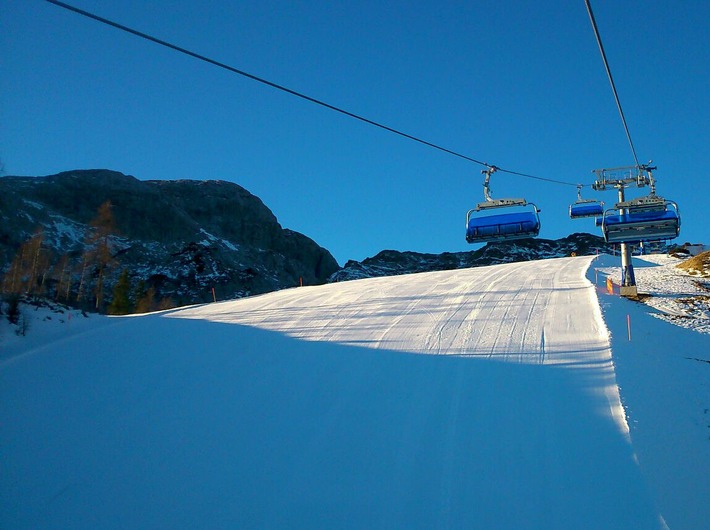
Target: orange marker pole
[(628, 325)]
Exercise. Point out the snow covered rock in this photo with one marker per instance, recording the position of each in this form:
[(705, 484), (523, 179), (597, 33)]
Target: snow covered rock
[(182, 238)]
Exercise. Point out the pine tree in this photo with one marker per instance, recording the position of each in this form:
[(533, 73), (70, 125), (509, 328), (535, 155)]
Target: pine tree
[(139, 291), (146, 302), (121, 303), (13, 280), (62, 275), (39, 263), (166, 303), (82, 282), (98, 256), (28, 268)]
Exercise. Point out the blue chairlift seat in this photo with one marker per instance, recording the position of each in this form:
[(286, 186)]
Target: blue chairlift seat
[(586, 209), (640, 226), (502, 227)]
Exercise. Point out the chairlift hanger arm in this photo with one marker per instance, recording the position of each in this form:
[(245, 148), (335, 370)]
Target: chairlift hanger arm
[(486, 183), (580, 200), (490, 202)]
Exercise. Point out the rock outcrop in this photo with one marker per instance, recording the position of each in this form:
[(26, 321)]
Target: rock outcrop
[(182, 238), (392, 262)]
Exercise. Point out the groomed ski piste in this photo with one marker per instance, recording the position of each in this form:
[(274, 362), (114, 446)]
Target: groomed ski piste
[(507, 396)]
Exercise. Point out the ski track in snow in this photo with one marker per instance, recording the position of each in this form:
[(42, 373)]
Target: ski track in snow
[(470, 312), (476, 398), (543, 312)]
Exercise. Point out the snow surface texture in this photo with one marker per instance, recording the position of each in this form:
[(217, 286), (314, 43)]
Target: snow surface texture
[(663, 375), (314, 408), (680, 298)]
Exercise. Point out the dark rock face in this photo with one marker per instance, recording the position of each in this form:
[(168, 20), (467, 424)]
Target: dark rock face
[(180, 237), (225, 209), (392, 262)]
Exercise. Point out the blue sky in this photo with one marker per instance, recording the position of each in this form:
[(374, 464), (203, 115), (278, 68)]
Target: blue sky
[(519, 84)]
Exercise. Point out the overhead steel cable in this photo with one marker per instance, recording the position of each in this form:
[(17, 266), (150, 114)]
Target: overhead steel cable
[(611, 79), (287, 90), (544, 179)]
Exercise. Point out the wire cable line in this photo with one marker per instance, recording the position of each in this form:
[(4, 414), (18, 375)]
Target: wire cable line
[(288, 90), (611, 79), (544, 179)]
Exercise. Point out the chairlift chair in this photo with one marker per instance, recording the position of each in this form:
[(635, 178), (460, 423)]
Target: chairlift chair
[(646, 219), (585, 207), (498, 227)]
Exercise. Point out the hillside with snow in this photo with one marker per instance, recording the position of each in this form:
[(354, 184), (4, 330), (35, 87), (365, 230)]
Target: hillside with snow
[(189, 241), (520, 395)]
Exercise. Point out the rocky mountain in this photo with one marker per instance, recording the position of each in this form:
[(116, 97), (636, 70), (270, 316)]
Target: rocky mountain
[(179, 239), (392, 262)]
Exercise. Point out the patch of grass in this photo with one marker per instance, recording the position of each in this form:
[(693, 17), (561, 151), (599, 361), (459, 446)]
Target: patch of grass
[(697, 265)]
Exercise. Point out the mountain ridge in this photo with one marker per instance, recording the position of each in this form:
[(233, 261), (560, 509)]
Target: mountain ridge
[(194, 241), (182, 238), (393, 262)]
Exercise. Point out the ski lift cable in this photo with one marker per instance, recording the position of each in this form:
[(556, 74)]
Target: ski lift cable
[(542, 178), (301, 95), (611, 79)]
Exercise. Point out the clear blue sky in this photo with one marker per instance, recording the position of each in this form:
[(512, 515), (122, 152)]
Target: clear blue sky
[(519, 84)]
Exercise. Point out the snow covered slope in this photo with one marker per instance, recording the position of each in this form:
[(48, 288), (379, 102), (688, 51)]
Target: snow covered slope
[(479, 398), (663, 369)]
